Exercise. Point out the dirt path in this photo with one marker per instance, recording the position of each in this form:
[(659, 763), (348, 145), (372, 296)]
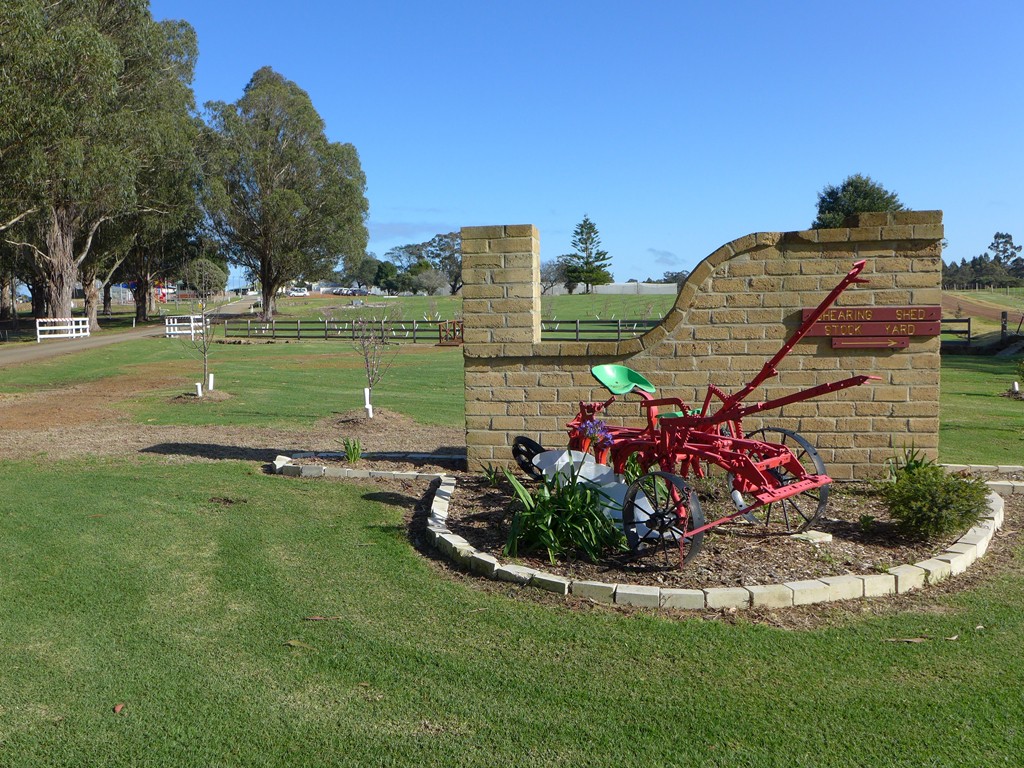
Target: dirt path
[(13, 353), (975, 308)]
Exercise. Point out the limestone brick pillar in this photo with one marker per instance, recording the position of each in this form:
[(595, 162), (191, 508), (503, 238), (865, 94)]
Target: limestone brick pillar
[(501, 292)]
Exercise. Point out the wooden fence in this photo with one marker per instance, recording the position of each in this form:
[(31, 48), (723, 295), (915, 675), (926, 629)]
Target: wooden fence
[(594, 330), (412, 331), (427, 331)]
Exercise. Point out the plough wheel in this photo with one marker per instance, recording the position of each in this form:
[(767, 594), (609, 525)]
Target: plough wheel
[(651, 517), (523, 451), (798, 512)]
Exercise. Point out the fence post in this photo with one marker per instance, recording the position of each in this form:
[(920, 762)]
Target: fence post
[(1003, 324), (577, 330), (273, 328), (298, 330), (618, 329)]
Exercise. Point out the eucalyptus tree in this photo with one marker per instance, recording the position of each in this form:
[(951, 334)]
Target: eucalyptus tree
[(285, 202), (89, 88)]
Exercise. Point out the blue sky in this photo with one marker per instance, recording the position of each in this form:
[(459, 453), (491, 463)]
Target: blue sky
[(675, 126)]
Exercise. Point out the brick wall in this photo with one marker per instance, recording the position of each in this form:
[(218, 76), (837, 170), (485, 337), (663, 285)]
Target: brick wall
[(733, 313)]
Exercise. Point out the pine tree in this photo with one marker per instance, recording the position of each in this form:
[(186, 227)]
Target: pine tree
[(588, 265)]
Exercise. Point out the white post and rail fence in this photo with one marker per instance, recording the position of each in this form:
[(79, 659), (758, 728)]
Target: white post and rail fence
[(61, 328), (185, 325)]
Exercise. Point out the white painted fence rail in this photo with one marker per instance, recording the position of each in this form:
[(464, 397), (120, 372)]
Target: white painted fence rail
[(61, 328), (184, 325)]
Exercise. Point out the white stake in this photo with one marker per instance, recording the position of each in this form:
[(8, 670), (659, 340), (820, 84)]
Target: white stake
[(209, 383), (366, 397), (199, 389), (1016, 388)]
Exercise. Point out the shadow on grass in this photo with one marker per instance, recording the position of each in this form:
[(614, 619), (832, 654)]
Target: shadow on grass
[(216, 451)]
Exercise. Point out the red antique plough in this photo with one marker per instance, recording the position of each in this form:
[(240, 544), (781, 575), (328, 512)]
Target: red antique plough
[(771, 471)]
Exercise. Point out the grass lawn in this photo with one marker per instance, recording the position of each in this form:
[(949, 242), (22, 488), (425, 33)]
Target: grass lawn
[(978, 425), (273, 384), (181, 591)]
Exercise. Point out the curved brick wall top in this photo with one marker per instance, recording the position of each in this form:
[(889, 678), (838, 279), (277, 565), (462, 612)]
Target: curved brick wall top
[(732, 314)]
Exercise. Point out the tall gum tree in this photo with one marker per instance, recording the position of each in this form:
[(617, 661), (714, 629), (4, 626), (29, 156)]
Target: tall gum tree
[(284, 202), (83, 78)]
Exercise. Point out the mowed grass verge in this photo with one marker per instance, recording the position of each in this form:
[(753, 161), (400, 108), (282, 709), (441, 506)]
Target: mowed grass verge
[(978, 423), (277, 384), (183, 593)]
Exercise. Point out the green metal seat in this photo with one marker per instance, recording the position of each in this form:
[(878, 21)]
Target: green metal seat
[(620, 380)]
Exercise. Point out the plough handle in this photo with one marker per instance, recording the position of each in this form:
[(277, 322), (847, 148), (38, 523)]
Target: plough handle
[(769, 368)]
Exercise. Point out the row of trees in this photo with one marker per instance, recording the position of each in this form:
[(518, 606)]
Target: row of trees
[(108, 172), (431, 267), (998, 267)]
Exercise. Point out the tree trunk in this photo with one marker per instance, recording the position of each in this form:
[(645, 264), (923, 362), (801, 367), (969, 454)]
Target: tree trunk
[(107, 301), (58, 265), (38, 297), (141, 294), (92, 299), (7, 308), (268, 292)]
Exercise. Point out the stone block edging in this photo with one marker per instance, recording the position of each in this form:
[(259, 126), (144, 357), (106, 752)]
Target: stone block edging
[(897, 580)]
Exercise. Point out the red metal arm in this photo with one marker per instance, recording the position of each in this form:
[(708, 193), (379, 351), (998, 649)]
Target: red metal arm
[(769, 368)]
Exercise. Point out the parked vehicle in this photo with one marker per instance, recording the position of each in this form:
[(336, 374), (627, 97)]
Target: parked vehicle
[(298, 292)]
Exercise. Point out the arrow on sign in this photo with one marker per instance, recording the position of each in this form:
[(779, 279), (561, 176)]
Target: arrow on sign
[(869, 342)]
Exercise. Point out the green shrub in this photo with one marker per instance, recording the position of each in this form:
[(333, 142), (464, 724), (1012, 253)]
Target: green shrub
[(353, 450), (927, 502), (562, 518)]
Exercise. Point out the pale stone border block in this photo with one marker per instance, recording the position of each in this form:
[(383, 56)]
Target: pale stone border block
[(908, 578), (727, 597), (936, 570), (879, 584), (687, 599), (1002, 487), (550, 582), (979, 537), (483, 564), (594, 590), (638, 596), (770, 596), (448, 542), (958, 561), (845, 587), (516, 574), (808, 591)]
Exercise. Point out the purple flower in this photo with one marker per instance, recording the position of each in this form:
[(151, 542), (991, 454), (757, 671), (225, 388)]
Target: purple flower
[(597, 432)]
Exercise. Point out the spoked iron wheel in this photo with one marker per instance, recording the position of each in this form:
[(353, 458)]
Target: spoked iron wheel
[(798, 512), (658, 513), (523, 451)]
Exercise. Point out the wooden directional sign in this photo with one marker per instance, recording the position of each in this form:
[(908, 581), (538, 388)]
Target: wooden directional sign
[(870, 342), (875, 329), (878, 314)]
